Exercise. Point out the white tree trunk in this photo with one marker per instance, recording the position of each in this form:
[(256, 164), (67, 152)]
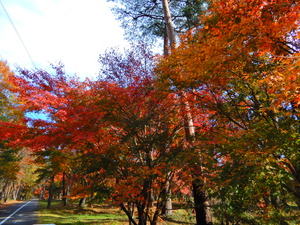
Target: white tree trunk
[(169, 24)]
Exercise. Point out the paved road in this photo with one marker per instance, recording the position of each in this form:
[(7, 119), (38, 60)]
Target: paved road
[(24, 213)]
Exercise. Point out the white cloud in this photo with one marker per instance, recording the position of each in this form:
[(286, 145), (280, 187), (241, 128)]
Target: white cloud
[(72, 31)]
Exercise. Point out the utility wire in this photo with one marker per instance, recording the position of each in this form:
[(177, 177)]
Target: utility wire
[(18, 34), (21, 40)]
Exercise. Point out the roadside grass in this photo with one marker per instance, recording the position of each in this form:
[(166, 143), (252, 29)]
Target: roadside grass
[(71, 214), (104, 214)]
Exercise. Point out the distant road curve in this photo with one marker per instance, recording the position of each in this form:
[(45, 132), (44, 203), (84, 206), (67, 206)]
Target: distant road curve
[(24, 213)]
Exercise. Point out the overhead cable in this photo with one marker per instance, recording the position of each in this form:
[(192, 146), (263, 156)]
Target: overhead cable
[(18, 34)]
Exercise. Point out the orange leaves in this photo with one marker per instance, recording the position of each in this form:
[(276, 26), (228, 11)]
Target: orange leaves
[(243, 67), (239, 40), (284, 81)]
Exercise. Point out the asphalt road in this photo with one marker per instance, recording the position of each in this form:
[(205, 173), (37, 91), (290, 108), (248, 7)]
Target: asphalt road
[(24, 213)]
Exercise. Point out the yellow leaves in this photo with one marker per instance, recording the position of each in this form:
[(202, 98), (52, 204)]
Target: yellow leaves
[(4, 74), (9, 104), (4, 71), (284, 82)]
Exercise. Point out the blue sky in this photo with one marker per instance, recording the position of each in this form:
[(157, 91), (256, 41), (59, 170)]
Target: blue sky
[(74, 32)]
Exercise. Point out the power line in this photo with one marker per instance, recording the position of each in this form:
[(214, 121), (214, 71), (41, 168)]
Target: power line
[(18, 34)]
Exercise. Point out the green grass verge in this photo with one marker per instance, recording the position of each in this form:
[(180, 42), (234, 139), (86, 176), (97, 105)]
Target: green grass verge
[(72, 215), (98, 214)]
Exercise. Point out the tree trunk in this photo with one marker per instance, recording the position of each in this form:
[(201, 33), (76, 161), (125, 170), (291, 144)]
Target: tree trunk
[(42, 193), (7, 191), (166, 42), (199, 193), (64, 199), (129, 213), (4, 184), (143, 206), (170, 30), (169, 39), (51, 191), (203, 216), (16, 191), (82, 202), (167, 208), (141, 214)]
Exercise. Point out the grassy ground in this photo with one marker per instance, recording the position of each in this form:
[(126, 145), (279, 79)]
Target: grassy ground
[(98, 214), (71, 214)]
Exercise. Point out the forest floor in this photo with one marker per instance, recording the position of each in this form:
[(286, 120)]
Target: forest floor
[(105, 214)]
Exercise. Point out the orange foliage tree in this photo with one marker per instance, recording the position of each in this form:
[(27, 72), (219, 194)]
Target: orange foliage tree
[(245, 60)]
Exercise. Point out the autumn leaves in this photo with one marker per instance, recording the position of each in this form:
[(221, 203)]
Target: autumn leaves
[(235, 77)]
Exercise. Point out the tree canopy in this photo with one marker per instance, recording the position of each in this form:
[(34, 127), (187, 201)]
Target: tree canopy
[(218, 116)]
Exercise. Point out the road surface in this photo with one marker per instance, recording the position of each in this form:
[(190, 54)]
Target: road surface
[(24, 213)]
